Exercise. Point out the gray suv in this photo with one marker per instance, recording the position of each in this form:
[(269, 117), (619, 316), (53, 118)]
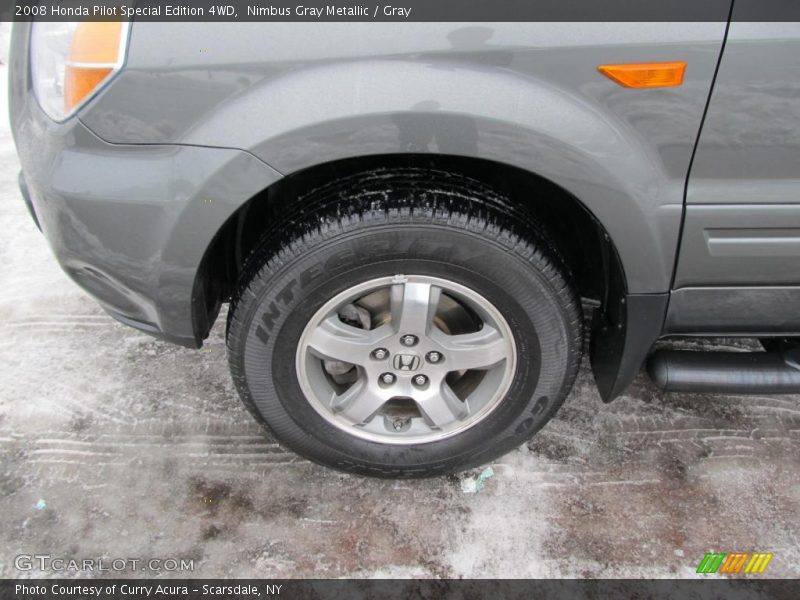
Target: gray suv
[(416, 226)]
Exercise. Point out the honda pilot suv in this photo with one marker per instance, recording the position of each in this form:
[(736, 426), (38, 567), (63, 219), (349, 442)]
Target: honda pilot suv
[(416, 226)]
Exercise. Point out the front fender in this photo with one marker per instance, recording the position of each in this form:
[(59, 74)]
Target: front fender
[(391, 107), (523, 94)]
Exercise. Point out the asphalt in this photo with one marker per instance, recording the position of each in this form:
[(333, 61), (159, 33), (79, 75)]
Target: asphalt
[(115, 445)]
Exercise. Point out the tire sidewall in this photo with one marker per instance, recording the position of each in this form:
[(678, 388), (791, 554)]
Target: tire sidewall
[(280, 301)]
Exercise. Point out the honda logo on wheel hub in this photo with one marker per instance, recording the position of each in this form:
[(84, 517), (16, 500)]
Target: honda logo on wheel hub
[(406, 362)]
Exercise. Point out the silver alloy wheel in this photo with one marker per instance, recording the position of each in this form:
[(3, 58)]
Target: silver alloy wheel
[(407, 359)]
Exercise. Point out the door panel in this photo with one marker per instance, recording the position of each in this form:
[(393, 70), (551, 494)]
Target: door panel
[(742, 224), (749, 150), (753, 244)]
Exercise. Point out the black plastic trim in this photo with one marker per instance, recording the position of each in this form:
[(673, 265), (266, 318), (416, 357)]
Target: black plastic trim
[(621, 342), (734, 311)]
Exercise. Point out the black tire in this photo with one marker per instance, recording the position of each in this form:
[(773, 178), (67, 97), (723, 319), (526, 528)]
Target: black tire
[(409, 221)]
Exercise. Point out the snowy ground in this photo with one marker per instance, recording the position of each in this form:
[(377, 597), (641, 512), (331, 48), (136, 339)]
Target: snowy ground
[(136, 448)]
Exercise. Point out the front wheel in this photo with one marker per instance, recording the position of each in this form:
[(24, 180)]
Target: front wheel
[(405, 342)]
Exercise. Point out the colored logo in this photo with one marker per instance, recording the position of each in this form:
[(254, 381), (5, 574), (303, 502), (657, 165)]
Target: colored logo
[(734, 563)]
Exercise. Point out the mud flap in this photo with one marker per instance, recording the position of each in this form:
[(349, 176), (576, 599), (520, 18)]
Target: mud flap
[(622, 334)]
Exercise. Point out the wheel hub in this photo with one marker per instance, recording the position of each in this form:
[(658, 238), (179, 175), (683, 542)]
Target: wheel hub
[(406, 362), (427, 358)]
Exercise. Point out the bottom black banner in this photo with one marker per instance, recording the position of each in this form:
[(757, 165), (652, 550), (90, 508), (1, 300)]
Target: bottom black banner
[(467, 589)]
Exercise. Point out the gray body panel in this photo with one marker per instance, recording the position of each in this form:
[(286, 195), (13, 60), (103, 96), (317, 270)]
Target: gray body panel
[(749, 150), (524, 94), (740, 244), (742, 225), (206, 116), (743, 199), (104, 215), (129, 223)]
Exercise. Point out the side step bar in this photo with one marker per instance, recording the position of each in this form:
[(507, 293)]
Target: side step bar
[(726, 372)]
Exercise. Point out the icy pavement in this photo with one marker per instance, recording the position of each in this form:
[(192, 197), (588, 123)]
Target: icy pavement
[(113, 444)]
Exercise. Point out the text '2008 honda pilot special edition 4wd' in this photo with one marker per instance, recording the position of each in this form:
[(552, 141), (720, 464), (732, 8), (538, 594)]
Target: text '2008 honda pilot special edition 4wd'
[(407, 219)]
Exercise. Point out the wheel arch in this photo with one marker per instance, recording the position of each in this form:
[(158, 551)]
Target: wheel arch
[(587, 247)]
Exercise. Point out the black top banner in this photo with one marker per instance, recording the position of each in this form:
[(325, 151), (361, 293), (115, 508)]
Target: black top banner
[(396, 10), (400, 10)]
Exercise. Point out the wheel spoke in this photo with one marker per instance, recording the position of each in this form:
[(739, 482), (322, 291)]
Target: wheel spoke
[(413, 306), (358, 403), (405, 373), (335, 340), (442, 408), (480, 350)]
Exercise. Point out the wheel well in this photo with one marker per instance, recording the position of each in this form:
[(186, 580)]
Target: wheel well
[(582, 241)]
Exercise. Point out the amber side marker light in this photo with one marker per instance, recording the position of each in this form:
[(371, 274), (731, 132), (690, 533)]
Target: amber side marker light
[(96, 52), (645, 75)]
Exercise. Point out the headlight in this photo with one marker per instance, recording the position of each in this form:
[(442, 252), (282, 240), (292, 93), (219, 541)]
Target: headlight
[(70, 61)]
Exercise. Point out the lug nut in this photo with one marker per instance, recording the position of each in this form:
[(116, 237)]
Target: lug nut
[(388, 378), (420, 380), (398, 424), (380, 353), (408, 340), (433, 357)]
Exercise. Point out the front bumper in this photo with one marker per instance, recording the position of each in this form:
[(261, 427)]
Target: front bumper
[(129, 223), (26, 196)]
